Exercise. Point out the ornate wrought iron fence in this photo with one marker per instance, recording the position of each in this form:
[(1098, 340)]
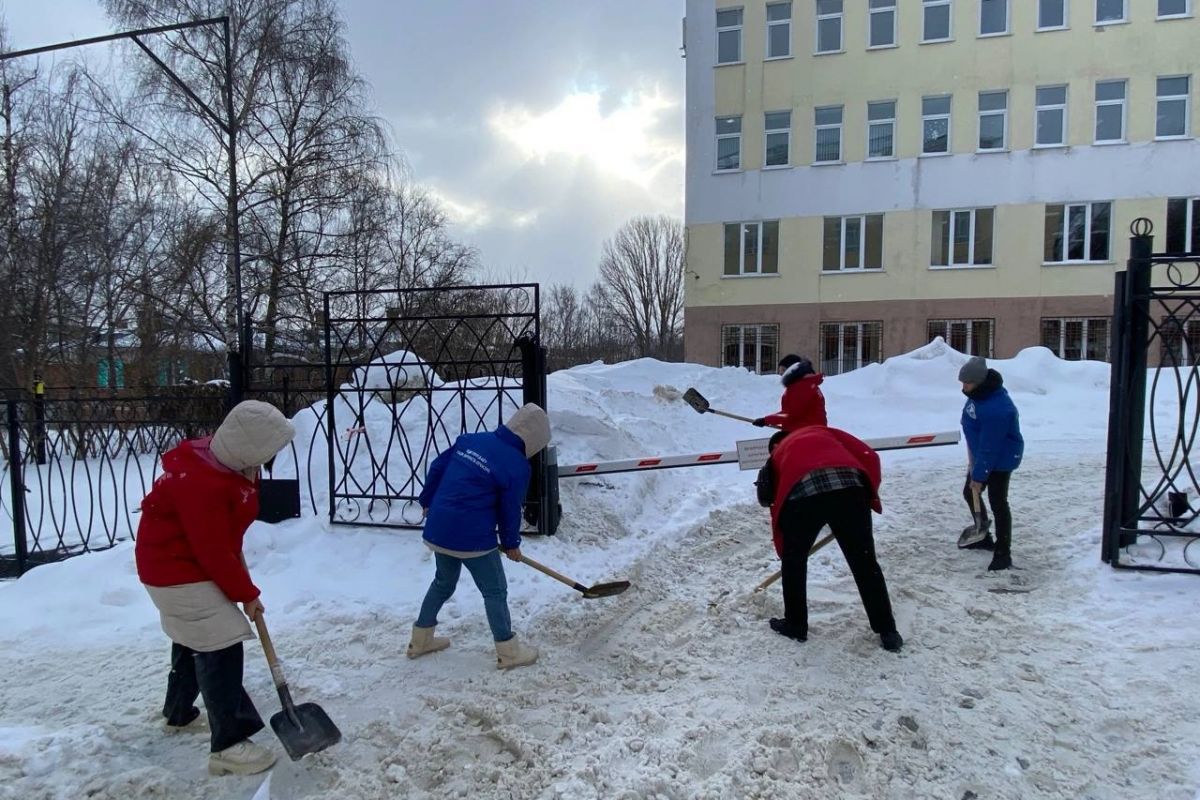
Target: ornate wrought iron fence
[(410, 370), (1152, 505)]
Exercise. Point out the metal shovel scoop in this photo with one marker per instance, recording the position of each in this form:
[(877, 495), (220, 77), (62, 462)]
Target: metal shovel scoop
[(304, 728), (589, 592), (698, 402)]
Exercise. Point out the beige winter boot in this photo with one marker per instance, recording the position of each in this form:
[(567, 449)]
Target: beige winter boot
[(423, 642), (243, 758), (514, 654)]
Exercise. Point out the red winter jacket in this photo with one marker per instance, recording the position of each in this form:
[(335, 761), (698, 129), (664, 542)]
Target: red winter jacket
[(802, 404), (193, 521), (818, 447)]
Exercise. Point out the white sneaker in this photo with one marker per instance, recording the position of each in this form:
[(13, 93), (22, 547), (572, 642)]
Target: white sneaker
[(243, 758)]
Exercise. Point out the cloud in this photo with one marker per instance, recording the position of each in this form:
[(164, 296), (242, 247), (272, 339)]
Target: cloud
[(474, 214), (626, 142)]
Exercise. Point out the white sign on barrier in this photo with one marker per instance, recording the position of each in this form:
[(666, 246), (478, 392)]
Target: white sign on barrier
[(752, 453)]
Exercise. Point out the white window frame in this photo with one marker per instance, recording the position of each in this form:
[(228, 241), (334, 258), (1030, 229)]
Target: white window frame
[(1108, 103), (1187, 11), (743, 228), (890, 121), (954, 212), (778, 23), (840, 16), (768, 132), (1089, 214), (1050, 107), (818, 127), (928, 4), (948, 116), (1066, 15), (888, 9), (1187, 107), (719, 137), (862, 245), (1002, 113), (1121, 21), (741, 59), (1062, 335), (761, 331), (861, 328), (1007, 21), (970, 326)]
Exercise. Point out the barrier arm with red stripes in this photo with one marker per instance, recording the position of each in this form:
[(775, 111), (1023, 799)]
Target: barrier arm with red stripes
[(750, 454)]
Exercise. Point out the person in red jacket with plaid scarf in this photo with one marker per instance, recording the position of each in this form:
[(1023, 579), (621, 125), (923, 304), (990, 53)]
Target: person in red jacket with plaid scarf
[(189, 558), (820, 476)]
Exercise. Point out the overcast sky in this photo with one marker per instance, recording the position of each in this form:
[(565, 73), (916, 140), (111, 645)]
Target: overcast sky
[(541, 125)]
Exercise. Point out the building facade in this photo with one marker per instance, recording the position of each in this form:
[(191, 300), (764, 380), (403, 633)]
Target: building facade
[(864, 175)]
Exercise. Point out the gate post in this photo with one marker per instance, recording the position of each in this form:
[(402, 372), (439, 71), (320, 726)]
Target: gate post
[(39, 421), (16, 484), (1111, 520), (1137, 322), (541, 503)]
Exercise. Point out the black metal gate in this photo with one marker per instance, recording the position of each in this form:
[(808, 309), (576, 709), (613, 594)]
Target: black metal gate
[(1152, 504), (409, 370)]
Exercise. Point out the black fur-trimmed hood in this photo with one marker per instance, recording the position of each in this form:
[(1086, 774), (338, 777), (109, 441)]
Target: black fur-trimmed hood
[(798, 371)]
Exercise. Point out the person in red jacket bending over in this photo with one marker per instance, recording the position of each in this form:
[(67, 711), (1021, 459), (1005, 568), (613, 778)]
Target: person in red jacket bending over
[(824, 476), (802, 404), (189, 557)]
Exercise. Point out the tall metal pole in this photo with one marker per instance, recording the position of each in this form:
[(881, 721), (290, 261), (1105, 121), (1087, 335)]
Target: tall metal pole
[(239, 362)]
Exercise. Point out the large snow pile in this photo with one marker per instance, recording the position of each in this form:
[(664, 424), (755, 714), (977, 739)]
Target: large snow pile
[(1060, 679)]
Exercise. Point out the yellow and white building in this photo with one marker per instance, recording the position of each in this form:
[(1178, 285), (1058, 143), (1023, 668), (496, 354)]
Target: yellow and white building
[(863, 175)]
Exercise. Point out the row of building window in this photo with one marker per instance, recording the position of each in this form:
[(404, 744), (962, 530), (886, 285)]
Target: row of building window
[(1072, 233), (994, 19), (846, 346), (1172, 121)]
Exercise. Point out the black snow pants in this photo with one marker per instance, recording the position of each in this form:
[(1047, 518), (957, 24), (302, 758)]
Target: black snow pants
[(996, 488), (848, 513), (217, 676)]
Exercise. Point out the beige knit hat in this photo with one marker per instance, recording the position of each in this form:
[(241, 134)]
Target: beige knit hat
[(252, 433), (532, 425)]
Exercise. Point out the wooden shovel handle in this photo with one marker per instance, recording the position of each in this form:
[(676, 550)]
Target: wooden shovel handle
[(779, 573), (269, 650), (558, 576), (976, 500)]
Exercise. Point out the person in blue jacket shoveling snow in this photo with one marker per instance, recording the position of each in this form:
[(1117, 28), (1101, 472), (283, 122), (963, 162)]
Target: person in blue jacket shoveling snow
[(473, 491), (992, 428)]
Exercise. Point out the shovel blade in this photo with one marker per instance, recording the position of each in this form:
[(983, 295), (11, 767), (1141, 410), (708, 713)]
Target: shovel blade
[(310, 731), (695, 400), (605, 589)]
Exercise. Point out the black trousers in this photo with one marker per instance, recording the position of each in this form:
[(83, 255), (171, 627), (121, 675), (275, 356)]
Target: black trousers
[(996, 487), (848, 513), (217, 676)]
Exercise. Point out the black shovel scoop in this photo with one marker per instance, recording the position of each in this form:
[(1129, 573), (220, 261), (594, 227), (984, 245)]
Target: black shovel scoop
[(589, 592), (304, 728)]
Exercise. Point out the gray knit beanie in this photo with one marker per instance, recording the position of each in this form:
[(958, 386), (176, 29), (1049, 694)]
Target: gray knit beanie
[(252, 433), (532, 425), (974, 371)]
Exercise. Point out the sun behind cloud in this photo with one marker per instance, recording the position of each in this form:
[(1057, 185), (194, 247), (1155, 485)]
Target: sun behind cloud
[(625, 143)]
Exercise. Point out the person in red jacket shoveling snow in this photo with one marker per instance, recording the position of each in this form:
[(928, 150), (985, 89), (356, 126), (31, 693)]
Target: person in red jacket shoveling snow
[(802, 404), (824, 476), (189, 557)]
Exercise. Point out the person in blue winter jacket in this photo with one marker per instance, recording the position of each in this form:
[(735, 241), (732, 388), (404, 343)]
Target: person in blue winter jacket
[(473, 496), (992, 428)]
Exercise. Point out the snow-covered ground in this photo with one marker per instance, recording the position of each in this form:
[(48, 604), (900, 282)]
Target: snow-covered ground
[(1063, 678)]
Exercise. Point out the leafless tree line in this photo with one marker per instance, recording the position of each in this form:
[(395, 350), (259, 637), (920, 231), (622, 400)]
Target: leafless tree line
[(112, 206), (634, 309)]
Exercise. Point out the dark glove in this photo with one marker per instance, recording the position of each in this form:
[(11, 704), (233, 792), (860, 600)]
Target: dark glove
[(760, 423)]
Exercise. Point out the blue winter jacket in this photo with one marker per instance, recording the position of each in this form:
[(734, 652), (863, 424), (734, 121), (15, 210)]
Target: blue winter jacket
[(992, 428), (474, 488)]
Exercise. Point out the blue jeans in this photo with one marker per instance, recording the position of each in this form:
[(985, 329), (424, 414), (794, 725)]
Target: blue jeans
[(488, 573)]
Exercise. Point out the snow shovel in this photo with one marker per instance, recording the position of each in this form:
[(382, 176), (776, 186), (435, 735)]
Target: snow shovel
[(589, 592), (698, 402), (304, 728), (779, 573), (977, 534)]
